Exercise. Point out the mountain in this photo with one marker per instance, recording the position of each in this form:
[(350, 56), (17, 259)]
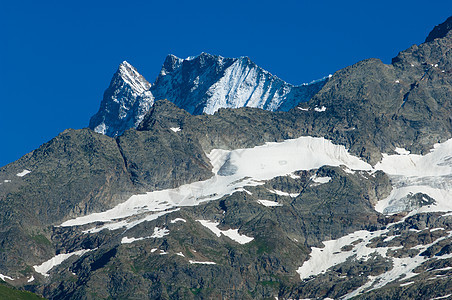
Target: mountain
[(200, 84), (344, 196), (125, 102)]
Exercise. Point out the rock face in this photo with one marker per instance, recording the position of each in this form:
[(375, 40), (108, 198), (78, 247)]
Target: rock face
[(125, 102), (200, 84), (245, 203), (440, 31)]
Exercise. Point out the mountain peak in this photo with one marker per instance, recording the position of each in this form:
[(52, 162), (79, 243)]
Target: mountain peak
[(198, 84), (171, 63), (131, 77), (440, 30)]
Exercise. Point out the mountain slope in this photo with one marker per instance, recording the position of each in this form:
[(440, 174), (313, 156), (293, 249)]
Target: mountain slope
[(201, 84)]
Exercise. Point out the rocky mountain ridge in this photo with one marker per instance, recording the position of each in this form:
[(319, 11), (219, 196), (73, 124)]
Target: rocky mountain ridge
[(344, 196), (200, 84)]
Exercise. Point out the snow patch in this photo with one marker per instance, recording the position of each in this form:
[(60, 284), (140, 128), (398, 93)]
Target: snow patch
[(175, 129), (177, 220), (442, 297), (23, 173), (46, 266), (31, 279), (402, 151), (126, 240), (269, 203), (281, 193), (320, 180), (202, 262), (3, 277), (233, 234), (158, 233), (321, 109)]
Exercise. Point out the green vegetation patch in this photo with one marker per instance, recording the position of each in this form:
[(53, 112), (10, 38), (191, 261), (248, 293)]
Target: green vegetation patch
[(13, 294), (40, 239)]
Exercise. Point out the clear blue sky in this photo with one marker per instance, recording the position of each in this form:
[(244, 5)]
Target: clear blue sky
[(57, 57)]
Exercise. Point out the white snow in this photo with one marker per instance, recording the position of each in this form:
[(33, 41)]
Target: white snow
[(126, 240), (303, 109), (134, 79), (442, 297), (429, 174), (114, 224), (436, 163), (202, 262), (390, 238), (281, 193), (153, 250), (177, 220), (180, 254), (269, 203), (406, 283), (244, 84), (46, 266), (321, 109), (320, 180), (158, 233), (436, 229), (23, 173), (293, 176), (3, 277), (31, 279), (402, 151), (175, 129), (233, 170), (7, 180), (233, 234), (444, 269)]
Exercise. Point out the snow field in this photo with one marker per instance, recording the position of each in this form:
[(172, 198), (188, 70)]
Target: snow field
[(250, 168)]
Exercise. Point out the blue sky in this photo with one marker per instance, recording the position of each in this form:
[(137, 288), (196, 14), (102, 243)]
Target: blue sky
[(57, 57)]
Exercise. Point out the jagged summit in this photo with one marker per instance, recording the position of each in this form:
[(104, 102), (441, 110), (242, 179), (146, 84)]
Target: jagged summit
[(197, 84), (124, 103)]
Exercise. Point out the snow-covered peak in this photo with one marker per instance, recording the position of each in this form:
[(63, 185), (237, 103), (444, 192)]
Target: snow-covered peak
[(198, 84), (134, 79), (125, 102)]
